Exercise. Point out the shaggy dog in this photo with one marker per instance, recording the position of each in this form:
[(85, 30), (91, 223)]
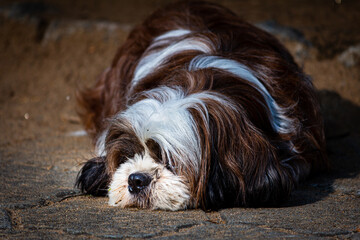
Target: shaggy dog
[(200, 109)]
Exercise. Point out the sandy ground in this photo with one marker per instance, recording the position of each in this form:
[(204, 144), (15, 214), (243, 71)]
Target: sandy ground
[(49, 48)]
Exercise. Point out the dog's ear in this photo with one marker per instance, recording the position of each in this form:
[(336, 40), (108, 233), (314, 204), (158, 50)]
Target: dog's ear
[(93, 178)]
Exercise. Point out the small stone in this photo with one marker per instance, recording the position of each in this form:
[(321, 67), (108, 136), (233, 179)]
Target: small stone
[(78, 133), (65, 193), (357, 194), (351, 56), (5, 221), (284, 32), (26, 116)]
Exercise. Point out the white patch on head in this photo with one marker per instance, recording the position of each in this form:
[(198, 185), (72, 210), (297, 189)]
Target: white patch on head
[(280, 122), (153, 59), (166, 191), (165, 117)]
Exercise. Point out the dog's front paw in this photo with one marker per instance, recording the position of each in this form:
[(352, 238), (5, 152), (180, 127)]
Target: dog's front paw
[(93, 178)]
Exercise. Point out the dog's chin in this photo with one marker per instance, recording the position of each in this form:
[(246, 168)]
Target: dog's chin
[(166, 190)]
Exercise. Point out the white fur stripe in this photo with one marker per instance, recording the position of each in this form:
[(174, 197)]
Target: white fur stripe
[(280, 122), (150, 62), (166, 39), (173, 33)]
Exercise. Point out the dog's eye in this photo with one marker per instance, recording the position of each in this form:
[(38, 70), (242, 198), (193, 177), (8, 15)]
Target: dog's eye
[(170, 168), (121, 144), (154, 150), (122, 159), (156, 154)]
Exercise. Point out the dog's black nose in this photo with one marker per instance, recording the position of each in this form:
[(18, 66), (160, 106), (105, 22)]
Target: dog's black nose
[(138, 181)]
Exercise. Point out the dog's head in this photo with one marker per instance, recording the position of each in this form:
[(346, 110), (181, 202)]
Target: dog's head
[(152, 153), (150, 156)]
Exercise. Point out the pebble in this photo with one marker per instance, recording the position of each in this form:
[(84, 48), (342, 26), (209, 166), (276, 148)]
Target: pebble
[(351, 56)]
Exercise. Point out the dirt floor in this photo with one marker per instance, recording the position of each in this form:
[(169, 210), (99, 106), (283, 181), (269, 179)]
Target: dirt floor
[(49, 48)]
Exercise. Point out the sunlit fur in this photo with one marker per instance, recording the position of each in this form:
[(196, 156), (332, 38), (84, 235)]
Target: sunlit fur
[(212, 109)]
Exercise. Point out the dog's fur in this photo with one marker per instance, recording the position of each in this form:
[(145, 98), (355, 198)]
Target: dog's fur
[(211, 111)]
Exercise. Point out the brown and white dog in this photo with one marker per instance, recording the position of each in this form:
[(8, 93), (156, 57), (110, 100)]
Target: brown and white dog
[(200, 109)]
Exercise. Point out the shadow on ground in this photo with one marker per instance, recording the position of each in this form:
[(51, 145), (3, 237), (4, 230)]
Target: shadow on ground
[(341, 118)]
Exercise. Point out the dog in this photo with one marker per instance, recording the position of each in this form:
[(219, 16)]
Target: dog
[(200, 109)]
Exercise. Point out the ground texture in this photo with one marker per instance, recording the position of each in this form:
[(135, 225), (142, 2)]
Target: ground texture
[(49, 48)]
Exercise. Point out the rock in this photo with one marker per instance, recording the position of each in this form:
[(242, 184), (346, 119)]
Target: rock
[(5, 220), (350, 57), (284, 32)]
